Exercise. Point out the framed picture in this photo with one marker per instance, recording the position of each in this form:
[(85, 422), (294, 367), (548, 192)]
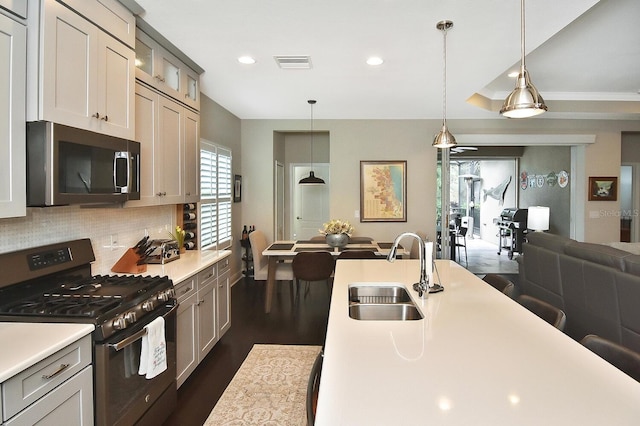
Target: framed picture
[(383, 191), (603, 188), (237, 188)]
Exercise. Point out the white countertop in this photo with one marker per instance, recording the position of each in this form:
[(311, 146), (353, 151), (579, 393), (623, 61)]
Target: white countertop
[(190, 262), (476, 358), (24, 344)]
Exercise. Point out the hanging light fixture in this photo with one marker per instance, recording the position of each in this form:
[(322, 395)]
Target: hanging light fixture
[(444, 138), (524, 101), (311, 179)]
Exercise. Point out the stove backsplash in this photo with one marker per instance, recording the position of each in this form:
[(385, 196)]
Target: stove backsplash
[(111, 230)]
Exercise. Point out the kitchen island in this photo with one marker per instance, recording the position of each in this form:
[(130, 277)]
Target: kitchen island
[(476, 358)]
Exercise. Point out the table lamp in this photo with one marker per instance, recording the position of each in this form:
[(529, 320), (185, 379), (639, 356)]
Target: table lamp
[(538, 218)]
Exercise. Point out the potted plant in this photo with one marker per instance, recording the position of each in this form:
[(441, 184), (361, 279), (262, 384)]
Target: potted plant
[(337, 232)]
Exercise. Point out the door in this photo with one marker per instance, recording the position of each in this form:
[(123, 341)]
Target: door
[(279, 216), (310, 202)]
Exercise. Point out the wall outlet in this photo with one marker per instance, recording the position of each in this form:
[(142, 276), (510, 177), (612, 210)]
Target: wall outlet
[(356, 214)]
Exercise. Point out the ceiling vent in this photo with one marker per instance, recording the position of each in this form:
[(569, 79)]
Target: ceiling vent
[(295, 62)]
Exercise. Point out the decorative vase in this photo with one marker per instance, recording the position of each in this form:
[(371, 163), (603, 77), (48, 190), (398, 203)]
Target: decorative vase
[(183, 249), (337, 240)]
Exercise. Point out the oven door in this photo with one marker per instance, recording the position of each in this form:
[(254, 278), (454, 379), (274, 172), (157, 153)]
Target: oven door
[(122, 396)]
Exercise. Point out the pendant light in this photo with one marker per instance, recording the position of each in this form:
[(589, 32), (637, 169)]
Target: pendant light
[(444, 138), (311, 179), (524, 101)]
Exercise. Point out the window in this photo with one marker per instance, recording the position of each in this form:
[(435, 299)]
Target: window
[(215, 196)]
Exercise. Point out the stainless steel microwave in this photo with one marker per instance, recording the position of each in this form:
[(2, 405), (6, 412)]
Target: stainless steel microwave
[(66, 165)]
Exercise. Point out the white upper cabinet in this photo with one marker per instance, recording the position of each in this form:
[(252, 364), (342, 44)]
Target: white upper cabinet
[(81, 76), (160, 69), (18, 7), (110, 15), (13, 59), (191, 156)]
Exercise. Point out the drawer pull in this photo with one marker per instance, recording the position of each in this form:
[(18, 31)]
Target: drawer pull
[(55, 373), (186, 290)]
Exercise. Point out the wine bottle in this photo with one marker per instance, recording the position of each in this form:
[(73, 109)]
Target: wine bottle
[(189, 245), (245, 233), (189, 206), (190, 225), (189, 216), (189, 235)]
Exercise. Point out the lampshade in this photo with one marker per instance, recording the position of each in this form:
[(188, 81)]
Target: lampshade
[(444, 138), (524, 101), (538, 218), (311, 179)]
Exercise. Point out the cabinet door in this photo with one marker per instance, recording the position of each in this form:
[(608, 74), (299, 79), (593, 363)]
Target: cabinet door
[(187, 338), (146, 129), (191, 88), (13, 59), (208, 329), (224, 303), (69, 68), (116, 81), (71, 403), (170, 152), (191, 157)]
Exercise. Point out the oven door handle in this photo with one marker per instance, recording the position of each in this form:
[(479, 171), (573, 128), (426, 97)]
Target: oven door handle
[(129, 340)]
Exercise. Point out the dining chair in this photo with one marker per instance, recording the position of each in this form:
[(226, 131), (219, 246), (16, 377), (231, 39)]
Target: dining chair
[(501, 283), (462, 227), (619, 356), (311, 266), (284, 271), (359, 254), (554, 316), (313, 387)]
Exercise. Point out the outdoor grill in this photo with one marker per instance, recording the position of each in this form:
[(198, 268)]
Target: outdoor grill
[(512, 225)]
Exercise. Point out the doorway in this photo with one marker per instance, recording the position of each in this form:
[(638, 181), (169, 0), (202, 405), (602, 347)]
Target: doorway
[(309, 203)]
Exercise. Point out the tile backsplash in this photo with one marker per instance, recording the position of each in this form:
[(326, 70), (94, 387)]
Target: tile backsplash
[(111, 230)]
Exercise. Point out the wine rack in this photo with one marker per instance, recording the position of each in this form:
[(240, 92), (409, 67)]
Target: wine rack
[(187, 214)]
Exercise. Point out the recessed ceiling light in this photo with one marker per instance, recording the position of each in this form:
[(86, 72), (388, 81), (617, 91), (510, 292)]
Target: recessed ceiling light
[(513, 74), (374, 60), (247, 60)]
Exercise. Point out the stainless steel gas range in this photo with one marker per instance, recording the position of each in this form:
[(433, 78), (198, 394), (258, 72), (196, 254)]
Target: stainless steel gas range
[(53, 283)]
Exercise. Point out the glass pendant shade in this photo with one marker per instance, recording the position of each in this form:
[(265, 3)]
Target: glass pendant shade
[(311, 179), (524, 101)]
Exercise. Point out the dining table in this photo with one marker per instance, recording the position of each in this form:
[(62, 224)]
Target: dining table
[(288, 249)]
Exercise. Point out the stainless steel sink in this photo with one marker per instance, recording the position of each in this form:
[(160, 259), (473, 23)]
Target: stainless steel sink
[(384, 312), (378, 294)]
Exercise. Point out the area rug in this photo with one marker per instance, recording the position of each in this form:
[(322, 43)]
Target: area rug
[(270, 388)]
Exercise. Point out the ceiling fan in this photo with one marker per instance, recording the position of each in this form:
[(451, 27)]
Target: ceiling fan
[(459, 149)]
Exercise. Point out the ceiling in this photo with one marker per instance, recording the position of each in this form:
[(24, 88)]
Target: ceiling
[(582, 55)]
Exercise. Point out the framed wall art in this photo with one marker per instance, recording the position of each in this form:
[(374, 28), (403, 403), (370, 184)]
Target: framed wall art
[(603, 188), (383, 191), (237, 188)]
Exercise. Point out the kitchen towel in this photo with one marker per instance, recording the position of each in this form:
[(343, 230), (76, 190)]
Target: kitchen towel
[(153, 355)]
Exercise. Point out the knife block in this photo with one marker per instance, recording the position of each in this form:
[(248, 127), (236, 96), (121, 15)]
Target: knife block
[(128, 264)]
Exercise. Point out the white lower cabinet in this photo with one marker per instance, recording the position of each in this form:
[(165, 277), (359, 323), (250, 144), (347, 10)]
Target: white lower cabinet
[(203, 315), (57, 390)]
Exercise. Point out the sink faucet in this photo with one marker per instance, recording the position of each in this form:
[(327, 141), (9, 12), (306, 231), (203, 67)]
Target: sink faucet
[(422, 286)]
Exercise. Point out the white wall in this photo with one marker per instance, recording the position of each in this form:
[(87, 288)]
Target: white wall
[(355, 140)]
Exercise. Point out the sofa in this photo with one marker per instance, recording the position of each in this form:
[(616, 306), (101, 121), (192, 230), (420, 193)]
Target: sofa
[(596, 285)]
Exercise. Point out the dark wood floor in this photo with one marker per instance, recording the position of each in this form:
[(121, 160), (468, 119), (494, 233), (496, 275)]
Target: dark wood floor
[(303, 323)]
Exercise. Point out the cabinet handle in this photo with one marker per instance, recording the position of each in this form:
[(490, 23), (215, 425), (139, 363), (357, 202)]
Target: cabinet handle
[(55, 373), (160, 78), (96, 115), (186, 290), (105, 118), (220, 286)]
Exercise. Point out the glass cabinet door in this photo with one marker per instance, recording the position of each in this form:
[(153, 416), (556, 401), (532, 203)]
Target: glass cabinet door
[(171, 74), (144, 57)]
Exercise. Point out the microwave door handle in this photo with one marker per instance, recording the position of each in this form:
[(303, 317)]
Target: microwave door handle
[(129, 340), (126, 155)]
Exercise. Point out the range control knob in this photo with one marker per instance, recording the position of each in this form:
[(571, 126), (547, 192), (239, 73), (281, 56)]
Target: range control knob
[(130, 317), (148, 306), (119, 323), (163, 296)]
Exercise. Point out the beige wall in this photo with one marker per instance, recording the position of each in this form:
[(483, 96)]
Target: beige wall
[(355, 140)]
